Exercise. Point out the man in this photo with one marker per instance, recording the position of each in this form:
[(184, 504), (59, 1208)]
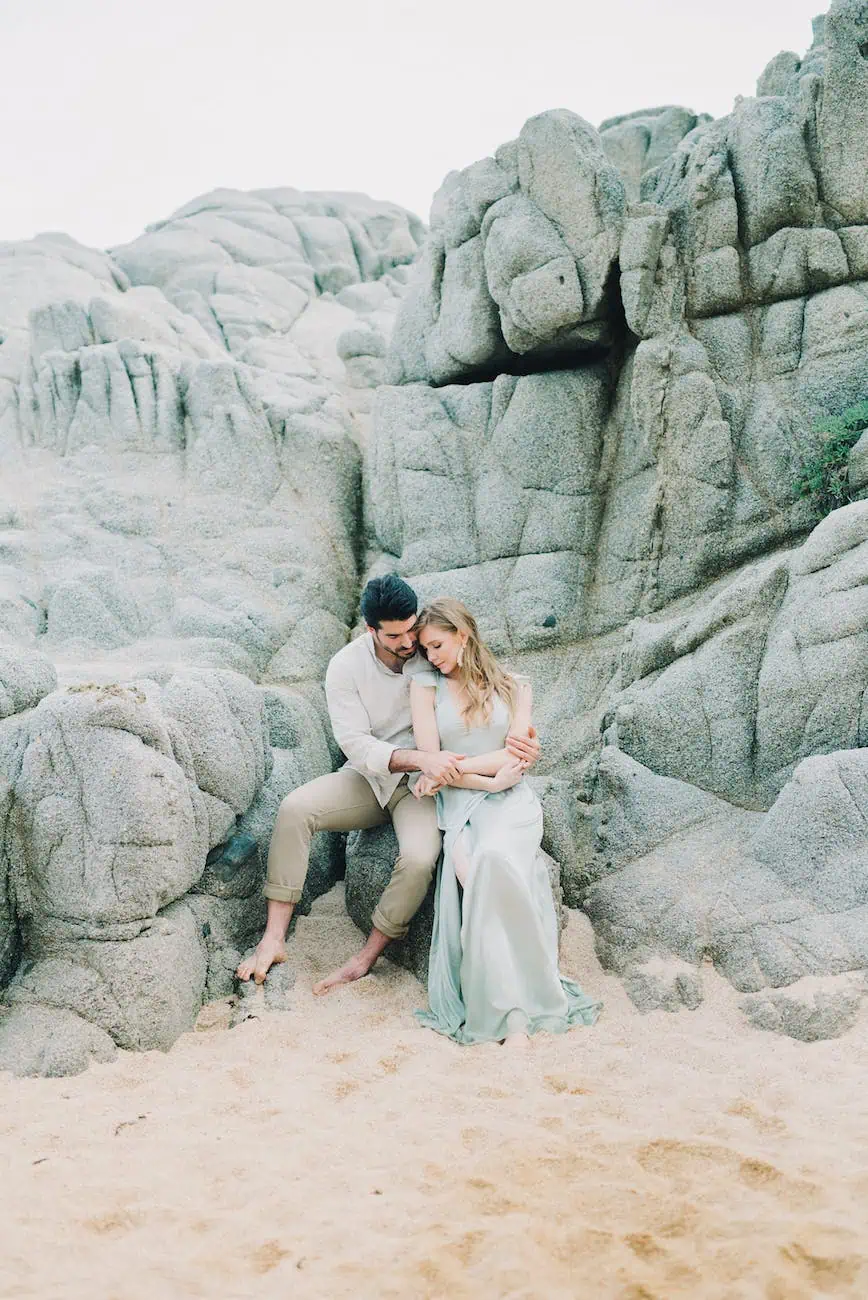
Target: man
[(368, 694)]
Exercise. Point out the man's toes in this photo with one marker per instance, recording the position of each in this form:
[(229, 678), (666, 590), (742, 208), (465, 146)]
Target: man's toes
[(326, 985)]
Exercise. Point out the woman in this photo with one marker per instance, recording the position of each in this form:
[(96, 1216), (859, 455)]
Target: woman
[(493, 970)]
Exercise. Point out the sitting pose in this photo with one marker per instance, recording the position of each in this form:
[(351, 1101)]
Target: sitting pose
[(493, 969), (367, 689)]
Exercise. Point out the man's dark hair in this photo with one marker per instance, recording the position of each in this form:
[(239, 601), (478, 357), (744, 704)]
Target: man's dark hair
[(388, 599)]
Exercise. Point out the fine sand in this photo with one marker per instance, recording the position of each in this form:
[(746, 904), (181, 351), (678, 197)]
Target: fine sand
[(337, 1149)]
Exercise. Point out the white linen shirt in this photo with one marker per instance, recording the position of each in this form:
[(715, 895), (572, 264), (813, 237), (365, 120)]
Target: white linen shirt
[(369, 708)]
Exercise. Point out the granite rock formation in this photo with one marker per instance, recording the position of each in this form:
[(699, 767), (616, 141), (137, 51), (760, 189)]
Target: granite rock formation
[(584, 411), (605, 381), (180, 534)]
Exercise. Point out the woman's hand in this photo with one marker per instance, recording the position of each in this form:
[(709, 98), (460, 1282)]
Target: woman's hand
[(426, 785), (509, 775), (441, 766)]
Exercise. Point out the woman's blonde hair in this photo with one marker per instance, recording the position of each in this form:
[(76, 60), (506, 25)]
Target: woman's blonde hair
[(479, 675)]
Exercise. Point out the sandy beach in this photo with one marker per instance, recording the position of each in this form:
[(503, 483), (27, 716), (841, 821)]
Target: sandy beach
[(336, 1149)]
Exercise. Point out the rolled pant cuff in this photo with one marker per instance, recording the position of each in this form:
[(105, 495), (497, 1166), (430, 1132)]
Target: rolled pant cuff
[(281, 893), (388, 928)]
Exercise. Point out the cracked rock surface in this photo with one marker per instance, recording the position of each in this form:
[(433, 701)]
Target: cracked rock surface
[(610, 481), (583, 410), (179, 515)]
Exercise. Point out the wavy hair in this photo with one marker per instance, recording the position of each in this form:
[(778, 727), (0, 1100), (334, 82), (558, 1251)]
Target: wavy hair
[(479, 674)]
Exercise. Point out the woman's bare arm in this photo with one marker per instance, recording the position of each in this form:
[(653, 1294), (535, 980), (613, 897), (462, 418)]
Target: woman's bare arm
[(424, 717), (440, 765), (508, 775), (520, 727), (427, 736)]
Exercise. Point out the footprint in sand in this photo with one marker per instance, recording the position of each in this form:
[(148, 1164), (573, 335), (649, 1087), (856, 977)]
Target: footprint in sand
[(267, 1256), (473, 1138), (644, 1245), (557, 1083), (114, 1221), (391, 1064), (466, 1247), (762, 1122), (690, 1163), (826, 1272), (488, 1198)]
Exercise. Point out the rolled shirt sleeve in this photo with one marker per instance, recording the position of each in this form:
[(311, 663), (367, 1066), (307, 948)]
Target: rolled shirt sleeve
[(352, 725)]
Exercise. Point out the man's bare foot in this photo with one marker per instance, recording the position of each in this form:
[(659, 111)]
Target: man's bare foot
[(267, 953), (517, 1042), (356, 968)]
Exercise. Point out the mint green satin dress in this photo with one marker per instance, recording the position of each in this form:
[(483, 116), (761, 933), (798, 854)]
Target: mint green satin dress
[(493, 968)]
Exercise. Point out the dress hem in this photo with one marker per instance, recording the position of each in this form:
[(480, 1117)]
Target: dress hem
[(584, 1015)]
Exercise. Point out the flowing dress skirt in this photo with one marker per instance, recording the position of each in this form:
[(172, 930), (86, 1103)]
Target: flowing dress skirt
[(493, 968)]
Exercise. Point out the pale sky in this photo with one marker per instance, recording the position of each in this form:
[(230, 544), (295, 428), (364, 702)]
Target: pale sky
[(115, 112)]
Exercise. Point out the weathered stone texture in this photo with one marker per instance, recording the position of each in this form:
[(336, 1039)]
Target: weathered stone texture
[(613, 489), (179, 519), (596, 390)]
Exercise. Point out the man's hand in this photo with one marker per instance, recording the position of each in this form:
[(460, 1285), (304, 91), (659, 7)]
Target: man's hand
[(442, 767), (527, 751)]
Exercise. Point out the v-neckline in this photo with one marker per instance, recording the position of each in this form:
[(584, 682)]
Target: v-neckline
[(453, 701)]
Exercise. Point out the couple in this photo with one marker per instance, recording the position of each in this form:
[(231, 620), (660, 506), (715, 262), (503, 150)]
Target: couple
[(437, 737)]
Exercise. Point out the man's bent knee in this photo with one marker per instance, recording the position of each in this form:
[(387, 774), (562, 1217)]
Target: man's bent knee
[(403, 896), (417, 867), (294, 810)]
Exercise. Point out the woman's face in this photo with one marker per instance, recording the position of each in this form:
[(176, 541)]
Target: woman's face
[(441, 647)]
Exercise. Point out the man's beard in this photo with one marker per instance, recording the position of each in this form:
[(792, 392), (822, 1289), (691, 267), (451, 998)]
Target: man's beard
[(397, 654)]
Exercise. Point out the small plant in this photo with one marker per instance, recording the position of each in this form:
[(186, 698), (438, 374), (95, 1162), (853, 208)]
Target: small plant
[(825, 478)]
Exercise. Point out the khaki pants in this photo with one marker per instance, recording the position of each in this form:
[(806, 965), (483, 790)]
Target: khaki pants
[(343, 801)]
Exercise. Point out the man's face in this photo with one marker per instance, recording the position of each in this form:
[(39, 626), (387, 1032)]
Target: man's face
[(397, 637)]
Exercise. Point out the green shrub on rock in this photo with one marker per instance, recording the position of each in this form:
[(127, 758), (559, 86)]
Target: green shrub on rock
[(825, 478)]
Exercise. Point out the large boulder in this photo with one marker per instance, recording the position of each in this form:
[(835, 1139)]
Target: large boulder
[(733, 695), (602, 451), (181, 461), (519, 257), (180, 522), (121, 808), (773, 900)]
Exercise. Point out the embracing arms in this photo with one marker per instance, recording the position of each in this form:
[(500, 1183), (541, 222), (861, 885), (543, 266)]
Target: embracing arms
[(352, 730), (497, 770), (521, 742), (440, 765)]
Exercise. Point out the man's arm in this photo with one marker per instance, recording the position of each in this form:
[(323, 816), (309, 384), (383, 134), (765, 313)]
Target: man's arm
[(352, 730), (352, 725)]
